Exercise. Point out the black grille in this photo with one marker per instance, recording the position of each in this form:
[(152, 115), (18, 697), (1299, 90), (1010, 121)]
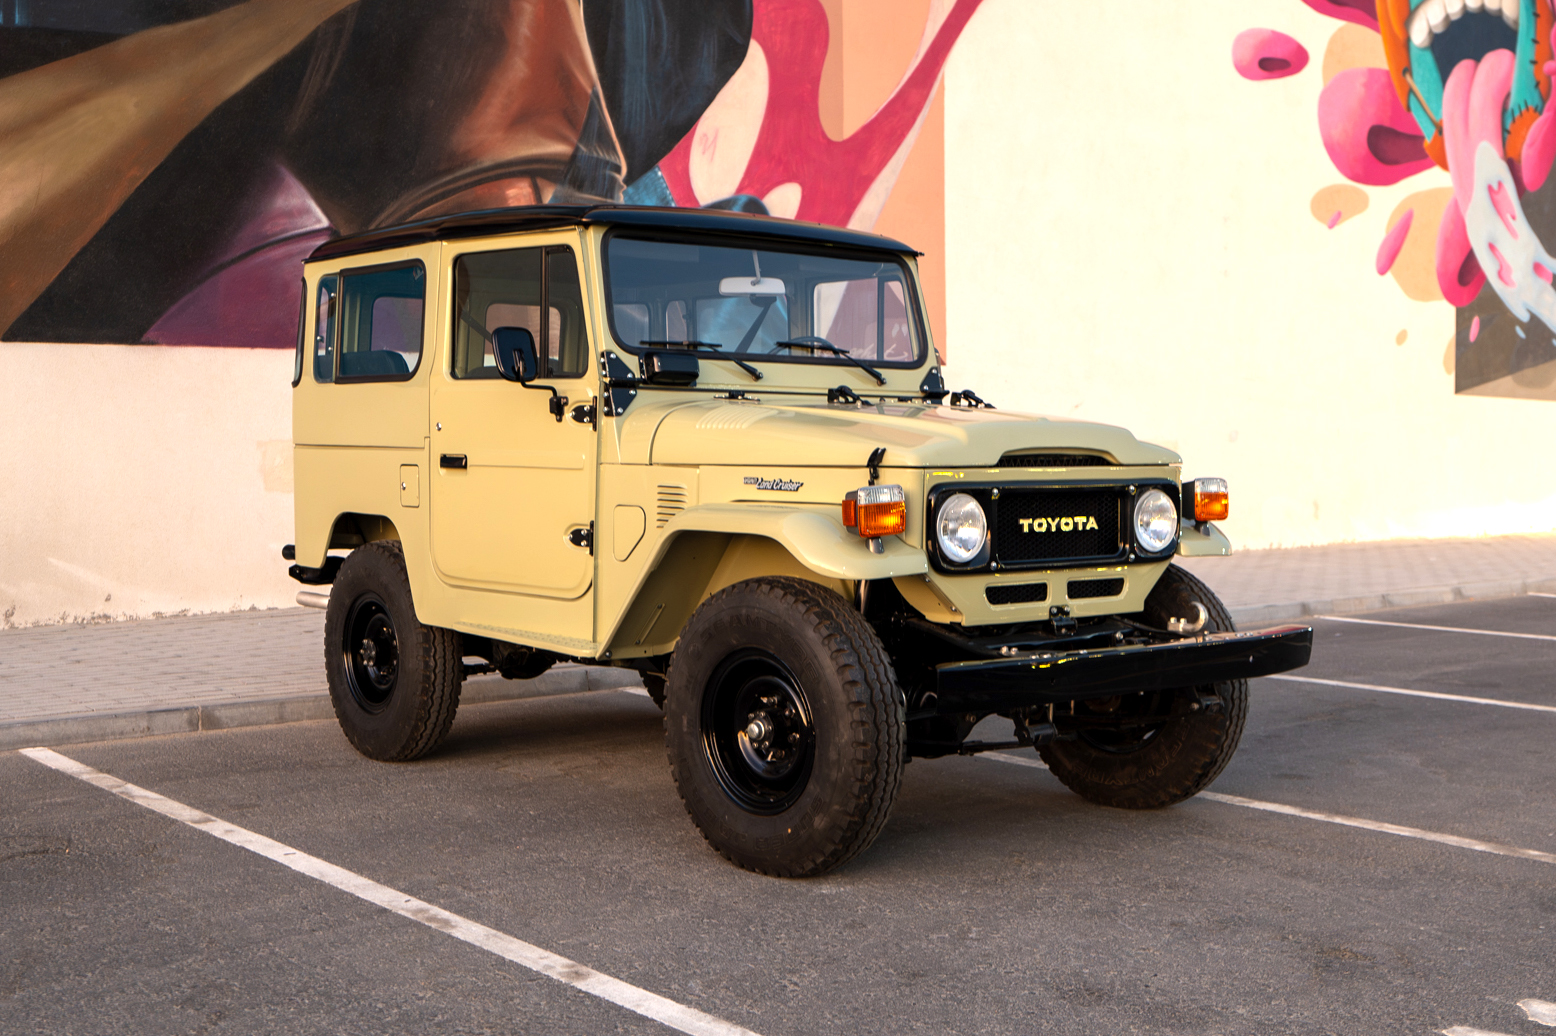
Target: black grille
[(1056, 525), (1054, 460), (1018, 593), (1083, 588)]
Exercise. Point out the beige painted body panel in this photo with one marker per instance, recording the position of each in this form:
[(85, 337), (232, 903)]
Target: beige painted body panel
[(673, 488)]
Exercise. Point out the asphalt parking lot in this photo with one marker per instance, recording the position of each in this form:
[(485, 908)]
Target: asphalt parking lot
[(995, 901)]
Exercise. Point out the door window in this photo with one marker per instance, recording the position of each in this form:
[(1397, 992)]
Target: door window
[(505, 289)]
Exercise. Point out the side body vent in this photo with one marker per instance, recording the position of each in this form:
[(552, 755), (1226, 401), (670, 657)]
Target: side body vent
[(671, 502), (1056, 460)]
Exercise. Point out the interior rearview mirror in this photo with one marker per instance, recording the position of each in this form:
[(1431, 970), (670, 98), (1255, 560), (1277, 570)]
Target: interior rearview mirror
[(752, 286), (514, 348)]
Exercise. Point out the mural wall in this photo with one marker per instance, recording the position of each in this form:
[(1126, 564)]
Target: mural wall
[(166, 164), (1415, 88)]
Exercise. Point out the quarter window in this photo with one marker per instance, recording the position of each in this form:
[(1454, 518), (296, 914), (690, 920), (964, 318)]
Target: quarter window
[(324, 330), (381, 322)]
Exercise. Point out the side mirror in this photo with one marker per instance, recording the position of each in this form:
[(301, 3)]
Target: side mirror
[(515, 352)]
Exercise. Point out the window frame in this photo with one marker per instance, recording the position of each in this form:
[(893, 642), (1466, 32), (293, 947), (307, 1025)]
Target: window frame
[(339, 316), (543, 340), (913, 298)]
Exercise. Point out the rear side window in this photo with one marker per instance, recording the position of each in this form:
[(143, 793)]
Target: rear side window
[(381, 314), (302, 334), (324, 329)]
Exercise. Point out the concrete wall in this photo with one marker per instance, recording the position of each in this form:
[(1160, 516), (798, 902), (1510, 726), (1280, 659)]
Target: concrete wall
[(143, 479), (1130, 238)]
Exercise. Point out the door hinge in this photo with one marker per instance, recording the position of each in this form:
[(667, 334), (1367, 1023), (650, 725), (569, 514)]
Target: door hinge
[(584, 413), (582, 537)]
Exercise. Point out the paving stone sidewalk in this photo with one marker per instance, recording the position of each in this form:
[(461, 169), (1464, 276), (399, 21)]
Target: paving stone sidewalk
[(64, 684)]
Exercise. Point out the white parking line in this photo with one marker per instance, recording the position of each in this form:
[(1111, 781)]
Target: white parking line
[(1415, 694), (640, 1001), (1533, 594), (1332, 818), (1542, 1011), (1439, 629)]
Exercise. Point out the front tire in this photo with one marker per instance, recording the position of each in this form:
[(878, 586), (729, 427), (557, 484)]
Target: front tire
[(394, 682), (784, 725), (1156, 765)]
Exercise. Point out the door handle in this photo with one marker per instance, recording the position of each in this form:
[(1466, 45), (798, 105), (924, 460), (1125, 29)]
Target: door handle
[(453, 460)]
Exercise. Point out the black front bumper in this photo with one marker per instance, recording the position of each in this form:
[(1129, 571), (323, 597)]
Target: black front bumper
[(1051, 677)]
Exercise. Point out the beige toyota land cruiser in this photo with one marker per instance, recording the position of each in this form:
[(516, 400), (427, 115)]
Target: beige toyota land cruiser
[(717, 449)]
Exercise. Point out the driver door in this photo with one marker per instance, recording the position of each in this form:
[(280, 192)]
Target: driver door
[(513, 487)]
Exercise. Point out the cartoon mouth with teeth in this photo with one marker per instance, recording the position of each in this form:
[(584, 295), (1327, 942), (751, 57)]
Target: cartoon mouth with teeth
[(1476, 76)]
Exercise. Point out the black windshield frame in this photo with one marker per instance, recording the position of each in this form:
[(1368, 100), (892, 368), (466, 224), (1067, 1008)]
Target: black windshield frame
[(915, 304)]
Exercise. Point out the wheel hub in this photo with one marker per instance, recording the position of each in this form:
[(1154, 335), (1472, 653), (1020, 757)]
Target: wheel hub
[(757, 732), (372, 653)]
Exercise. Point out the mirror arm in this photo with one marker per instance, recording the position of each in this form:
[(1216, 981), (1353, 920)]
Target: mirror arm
[(558, 404)]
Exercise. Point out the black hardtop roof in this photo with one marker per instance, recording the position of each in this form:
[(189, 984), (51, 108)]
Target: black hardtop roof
[(540, 217)]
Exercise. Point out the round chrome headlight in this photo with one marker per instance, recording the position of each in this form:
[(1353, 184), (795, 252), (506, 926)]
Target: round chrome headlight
[(1156, 521), (961, 528)]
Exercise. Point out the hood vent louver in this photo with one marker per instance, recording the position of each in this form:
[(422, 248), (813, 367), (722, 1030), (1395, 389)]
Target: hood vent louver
[(671, 502), (1056, 460)]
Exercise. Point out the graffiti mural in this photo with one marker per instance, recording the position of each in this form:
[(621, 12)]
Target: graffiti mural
[(1462, 86), (165, 165)]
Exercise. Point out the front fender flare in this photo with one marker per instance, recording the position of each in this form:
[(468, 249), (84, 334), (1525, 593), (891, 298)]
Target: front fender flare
[(814, 535)]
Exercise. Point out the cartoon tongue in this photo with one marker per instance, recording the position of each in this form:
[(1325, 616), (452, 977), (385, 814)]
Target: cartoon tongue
[(1472, 114), (1486, 195)]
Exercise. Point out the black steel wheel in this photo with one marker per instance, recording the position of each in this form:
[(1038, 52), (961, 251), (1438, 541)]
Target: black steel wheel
[(757, 731), (394, 682), (784, 725), (372, 653), (1146, 751)]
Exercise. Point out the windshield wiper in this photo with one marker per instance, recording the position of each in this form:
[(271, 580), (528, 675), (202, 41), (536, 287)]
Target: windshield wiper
[(817, 342), (693, 344)]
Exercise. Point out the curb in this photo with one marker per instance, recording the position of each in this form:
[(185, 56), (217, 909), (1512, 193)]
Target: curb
[(190, 719), (1253, 615), (570, 678)]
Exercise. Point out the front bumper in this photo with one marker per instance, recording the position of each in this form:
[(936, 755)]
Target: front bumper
[(1052, 677)]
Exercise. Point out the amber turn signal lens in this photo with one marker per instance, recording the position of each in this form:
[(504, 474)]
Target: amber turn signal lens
[(876, 511), (1210, 499)]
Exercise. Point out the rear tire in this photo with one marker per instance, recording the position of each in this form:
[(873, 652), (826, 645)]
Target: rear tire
[(394, 682), (784, 725), (1155, 766)]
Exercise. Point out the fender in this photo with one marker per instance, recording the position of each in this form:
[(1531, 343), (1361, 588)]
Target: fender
[(814, 534), (1202, 541)]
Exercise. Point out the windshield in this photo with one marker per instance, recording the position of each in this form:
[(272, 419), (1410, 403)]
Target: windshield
[(761, 302)]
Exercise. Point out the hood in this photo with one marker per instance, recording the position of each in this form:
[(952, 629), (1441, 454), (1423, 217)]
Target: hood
[(915, 435)]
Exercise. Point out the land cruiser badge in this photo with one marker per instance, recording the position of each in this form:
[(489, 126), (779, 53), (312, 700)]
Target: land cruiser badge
[(783, 485)]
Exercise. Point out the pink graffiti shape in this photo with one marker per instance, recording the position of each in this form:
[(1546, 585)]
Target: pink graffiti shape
[(1541, 272), (1369, 136), (1334, 220), (1362, 12), (1474, 328), (1267, 54), (792, 147), (1393, 241), (1499, 201), (1504, 269), (1458, 271)]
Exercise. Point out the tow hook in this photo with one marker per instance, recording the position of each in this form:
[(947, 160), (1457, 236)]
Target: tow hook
[(1201, 616)]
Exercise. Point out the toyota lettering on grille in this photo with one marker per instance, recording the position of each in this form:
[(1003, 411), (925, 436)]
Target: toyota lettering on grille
[(1078, 523)]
